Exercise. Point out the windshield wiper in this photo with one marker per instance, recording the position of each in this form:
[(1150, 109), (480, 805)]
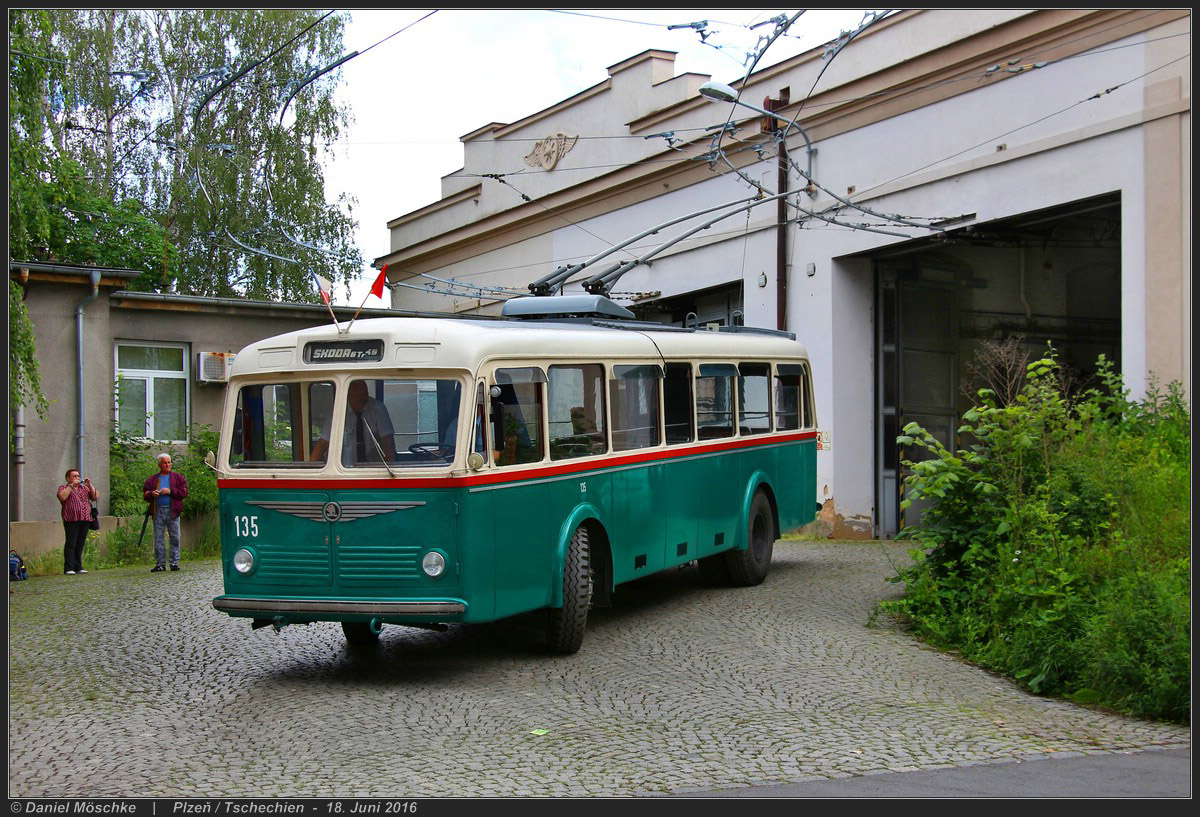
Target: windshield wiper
[(379, 448)]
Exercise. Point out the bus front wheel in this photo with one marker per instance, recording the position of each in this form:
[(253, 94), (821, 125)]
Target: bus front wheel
[(749, 567), (359, 634), (565, 625)]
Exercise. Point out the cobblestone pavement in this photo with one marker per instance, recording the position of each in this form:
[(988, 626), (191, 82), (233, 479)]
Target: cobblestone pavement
[(126, 683)]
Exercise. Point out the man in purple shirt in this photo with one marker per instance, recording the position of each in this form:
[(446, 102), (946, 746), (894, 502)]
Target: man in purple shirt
[(76, 497), (165, 491)]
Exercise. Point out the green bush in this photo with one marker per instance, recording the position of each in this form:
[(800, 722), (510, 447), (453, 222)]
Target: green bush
[(1055, 548), (133, 459)]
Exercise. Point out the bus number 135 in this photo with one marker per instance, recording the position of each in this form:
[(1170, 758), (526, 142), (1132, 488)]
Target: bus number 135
[(245, 526)]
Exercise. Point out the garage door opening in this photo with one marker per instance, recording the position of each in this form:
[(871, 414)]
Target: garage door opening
[(1007, 288)]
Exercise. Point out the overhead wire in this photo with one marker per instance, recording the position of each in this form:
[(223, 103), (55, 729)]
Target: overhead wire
[(845, 202)]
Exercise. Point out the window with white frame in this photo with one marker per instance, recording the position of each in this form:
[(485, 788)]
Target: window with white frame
[(152, 390)]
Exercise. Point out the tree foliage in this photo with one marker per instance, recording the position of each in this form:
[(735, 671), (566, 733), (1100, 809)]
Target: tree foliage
[(183, 143), (24, 374)]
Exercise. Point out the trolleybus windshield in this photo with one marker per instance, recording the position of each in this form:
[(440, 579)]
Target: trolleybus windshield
[(365, 422)]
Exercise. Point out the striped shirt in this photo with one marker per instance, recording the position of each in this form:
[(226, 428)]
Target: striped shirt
[(78, 506)]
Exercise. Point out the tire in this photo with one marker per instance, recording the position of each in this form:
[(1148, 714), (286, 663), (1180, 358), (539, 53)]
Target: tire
[(359, 634), (750, 566), (565, 625)]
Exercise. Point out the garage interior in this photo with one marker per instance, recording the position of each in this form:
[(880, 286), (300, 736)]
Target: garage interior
[(998, 292)]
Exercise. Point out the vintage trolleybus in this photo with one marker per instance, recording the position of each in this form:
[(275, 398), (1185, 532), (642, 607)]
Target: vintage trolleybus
[(424, 471)]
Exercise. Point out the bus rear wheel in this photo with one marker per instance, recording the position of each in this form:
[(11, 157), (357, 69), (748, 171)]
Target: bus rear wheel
[(359, 634), (565, 625), (749, 567)]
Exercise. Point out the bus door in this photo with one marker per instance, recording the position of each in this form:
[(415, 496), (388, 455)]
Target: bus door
[(640, 489), (526, 513), (680, 501), (719, 472)]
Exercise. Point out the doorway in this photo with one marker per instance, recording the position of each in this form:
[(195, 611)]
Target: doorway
[(1045, 279)]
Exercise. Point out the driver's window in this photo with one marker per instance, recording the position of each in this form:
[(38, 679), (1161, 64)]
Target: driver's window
[(407, 422), (516, 416), (369, 433)]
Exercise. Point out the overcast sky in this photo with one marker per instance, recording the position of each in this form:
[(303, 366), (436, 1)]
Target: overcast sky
[(413, 92)]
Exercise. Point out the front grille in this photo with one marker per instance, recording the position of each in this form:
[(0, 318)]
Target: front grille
[(377, 563), (294, 562)]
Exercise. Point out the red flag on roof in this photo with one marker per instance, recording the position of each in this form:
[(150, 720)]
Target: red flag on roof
[(325, 287), (377, 287)]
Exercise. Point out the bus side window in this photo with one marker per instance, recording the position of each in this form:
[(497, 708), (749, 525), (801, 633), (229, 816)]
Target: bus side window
[(634, 400), (754, 410), (517, 415), (677, 398), (576, 411), (714, 400), (789, 397)]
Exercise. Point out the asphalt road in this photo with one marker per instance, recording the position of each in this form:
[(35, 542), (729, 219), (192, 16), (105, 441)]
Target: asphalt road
[(128, 684)]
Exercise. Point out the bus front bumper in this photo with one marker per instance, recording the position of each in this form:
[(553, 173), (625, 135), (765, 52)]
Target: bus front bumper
[(244, 606)]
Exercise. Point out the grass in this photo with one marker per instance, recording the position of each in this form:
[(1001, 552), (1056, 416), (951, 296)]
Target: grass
[(122, 549)]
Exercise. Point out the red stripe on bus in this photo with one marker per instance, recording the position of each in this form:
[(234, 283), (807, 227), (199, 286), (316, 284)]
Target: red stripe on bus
[(507, 475)]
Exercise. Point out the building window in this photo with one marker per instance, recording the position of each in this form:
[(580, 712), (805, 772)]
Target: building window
[(152, 391)]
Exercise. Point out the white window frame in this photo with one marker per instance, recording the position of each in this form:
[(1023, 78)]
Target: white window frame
[(150, 375)]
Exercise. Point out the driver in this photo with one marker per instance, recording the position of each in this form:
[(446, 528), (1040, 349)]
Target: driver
[(367, 420)]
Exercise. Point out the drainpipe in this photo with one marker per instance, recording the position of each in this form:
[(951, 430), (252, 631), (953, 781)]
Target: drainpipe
[(94, 277)]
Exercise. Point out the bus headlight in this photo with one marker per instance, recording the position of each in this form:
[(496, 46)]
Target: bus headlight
[(434, 564), (243, 561)]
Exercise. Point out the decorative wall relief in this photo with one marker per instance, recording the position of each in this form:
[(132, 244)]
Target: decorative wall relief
[(546, 152)]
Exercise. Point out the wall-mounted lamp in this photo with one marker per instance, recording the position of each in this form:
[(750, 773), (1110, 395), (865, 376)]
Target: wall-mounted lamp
[(762, 279), (811, 269)]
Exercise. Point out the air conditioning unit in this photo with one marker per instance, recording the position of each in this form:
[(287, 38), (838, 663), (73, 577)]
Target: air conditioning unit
[(213, 367)]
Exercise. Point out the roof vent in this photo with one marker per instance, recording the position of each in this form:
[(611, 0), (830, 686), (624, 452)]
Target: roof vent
[(564, 306)]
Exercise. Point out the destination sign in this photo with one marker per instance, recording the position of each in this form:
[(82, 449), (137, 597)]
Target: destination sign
[(352, 351)]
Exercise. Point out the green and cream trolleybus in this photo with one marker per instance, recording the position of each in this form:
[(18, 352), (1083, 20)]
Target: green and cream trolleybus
[(425, 471)]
